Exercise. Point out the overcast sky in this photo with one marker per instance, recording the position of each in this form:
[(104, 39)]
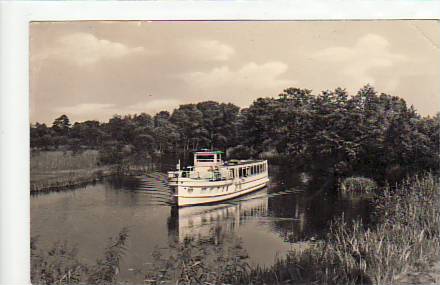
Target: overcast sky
[(93, 70)]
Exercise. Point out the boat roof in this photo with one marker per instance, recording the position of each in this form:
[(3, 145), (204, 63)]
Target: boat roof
[(242, 162), (203, 151)]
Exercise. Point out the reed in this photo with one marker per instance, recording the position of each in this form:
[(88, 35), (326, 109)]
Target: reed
[(358, 184), (405, 238), (61, 265), (45, 161), (57, 170), (220, 260)]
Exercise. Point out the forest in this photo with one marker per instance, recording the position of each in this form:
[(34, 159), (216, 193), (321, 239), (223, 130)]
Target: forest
[(368, 133)]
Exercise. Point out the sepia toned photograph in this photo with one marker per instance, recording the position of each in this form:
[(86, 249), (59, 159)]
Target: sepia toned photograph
[(234, 152)]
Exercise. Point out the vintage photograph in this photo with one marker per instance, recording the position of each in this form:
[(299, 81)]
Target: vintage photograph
[(235, 152)]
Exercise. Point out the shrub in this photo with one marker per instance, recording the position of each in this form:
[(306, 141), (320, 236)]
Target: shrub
[(358, 185)]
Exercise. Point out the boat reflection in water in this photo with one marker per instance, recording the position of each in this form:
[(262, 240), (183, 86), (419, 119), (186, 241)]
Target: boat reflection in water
[(199, 222)]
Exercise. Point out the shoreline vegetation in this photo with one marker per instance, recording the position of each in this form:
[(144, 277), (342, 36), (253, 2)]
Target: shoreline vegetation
[(336, 134), (403, 241), (62, 170)]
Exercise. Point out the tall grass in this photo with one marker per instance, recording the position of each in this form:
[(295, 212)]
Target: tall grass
[(406, 237), (358, 184), (44, 161), (219, 260), (54, 170), (61, 265)]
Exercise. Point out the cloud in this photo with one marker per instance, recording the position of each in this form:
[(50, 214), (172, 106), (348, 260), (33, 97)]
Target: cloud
[(370, 52), (249, 76), (210, 50), (85, 49)]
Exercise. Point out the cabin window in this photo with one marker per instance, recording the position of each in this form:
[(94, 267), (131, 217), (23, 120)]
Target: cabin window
[(240, 172), (231, 173), (205, 158)]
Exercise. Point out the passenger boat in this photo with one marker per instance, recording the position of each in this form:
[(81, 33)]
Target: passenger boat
[(211, 180)]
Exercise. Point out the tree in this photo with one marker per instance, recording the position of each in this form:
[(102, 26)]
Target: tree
[(61, 125), (189, 121)]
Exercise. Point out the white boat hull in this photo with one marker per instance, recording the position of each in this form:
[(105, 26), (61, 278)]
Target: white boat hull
[(234, 189)]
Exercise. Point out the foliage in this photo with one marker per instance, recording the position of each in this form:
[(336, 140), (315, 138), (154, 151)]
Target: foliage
[(61, 265), (240, 152), (358, 185), (367, 134), (405, 237), (221, 261), (106, 270)]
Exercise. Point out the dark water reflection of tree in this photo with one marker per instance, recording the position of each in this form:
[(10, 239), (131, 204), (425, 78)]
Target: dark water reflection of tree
[(309, 213)]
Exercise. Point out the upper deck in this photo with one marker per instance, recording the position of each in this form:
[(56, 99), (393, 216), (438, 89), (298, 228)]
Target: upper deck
[(208, 165), (208, 158)]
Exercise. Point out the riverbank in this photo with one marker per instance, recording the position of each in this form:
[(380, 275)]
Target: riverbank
[(404, 240), (57, 170)]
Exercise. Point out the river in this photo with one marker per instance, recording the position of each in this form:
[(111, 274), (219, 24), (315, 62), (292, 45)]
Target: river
[(269, 222)]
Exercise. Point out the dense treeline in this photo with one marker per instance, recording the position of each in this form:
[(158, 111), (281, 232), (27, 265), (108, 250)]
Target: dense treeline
[(368, 133)]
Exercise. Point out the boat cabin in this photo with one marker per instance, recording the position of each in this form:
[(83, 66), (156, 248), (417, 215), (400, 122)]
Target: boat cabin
[(209, 166), (208, 158)]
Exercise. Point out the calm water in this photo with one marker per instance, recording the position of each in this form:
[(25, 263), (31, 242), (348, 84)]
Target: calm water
[(268, 222)]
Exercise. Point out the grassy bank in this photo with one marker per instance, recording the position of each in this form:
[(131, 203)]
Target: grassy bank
[(58, 170), (405, 238)]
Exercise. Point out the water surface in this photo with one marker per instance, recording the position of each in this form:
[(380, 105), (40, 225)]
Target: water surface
[(269, 222)]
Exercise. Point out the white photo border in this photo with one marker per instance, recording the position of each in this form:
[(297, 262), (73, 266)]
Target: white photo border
[(14, 78)]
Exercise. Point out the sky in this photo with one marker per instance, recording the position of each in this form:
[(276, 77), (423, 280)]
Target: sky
[(92, 70)]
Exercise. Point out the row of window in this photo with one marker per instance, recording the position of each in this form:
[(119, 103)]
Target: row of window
[(222, 188), (250, 170), (208, 158)]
